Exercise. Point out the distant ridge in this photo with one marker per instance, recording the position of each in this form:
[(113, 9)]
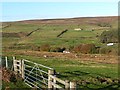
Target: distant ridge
[(70, 18), (76, 20)]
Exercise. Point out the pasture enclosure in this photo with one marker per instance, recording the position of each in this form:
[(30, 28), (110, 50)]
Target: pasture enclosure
[(86, 74), (39, 76), (36, 42)]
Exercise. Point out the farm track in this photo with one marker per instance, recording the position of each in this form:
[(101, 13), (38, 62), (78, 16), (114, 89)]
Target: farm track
[(100, 58)]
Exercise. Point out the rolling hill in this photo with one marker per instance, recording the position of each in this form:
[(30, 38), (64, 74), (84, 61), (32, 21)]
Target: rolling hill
[(32, 34), (42, 41)]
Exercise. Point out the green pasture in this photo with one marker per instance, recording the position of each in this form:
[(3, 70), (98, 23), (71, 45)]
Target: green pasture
[(47, 34), (87, 74), (79, 70)]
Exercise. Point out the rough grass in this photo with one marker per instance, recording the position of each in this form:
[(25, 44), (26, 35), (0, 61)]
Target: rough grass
[(11, 85), (49, 32), (88, 73), (85, 72)]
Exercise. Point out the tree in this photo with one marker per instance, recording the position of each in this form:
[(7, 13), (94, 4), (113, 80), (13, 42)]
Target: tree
[(109, 36)]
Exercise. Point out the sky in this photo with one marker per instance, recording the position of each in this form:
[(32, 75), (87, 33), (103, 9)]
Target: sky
[(17, 11)]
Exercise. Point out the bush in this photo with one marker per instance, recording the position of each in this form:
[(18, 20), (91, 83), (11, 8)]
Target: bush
[(13, 78), (71, 48), (108, 50), (85, 48), (109, 36), (104, 25), (45, 47), (105, 50)]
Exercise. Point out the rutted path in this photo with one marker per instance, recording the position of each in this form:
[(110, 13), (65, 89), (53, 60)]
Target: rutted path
[(100, 58)]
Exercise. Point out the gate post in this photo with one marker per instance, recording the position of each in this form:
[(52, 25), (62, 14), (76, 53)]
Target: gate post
[(6, 62), (50, 72), (22, 69), (13, 64), (67, 85), (54, 81), (13, 58), (72, 85)]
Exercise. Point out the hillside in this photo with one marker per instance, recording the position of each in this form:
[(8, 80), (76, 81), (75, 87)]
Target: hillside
[(90, 62), (56, 33)]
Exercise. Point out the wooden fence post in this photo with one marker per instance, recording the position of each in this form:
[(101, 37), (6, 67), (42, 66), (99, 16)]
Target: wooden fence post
[(50, 72), (67, 85), (6, 62), (54, 81), (13, 63), (22, 69), (72, 85), (13, 58)]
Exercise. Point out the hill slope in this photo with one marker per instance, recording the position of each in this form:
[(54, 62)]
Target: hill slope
[(29, 34)]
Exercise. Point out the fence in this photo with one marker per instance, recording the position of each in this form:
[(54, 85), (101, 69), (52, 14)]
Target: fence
[(7, 62), (53, 82), (39, 76)]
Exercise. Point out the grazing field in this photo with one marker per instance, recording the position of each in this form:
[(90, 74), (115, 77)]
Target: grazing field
[(88, 73), (43, 41), (49, 29)]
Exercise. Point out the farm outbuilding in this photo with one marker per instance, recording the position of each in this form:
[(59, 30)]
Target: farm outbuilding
[(110, 44), (77, 29)]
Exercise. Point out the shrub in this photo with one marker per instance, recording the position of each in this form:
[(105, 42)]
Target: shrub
[(109, 36), (107, 50), (71, 48), (45, 47), (13, 78), (104, 25), (85, 48)]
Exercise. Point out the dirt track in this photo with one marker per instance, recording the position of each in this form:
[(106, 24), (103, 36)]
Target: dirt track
[(112, 59)]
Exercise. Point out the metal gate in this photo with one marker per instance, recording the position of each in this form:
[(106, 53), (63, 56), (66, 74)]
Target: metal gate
[(34, 74), (39, 76)]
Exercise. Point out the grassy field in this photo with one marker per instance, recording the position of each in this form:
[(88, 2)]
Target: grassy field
[(14, 86), (89, 74), (49, 31)]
